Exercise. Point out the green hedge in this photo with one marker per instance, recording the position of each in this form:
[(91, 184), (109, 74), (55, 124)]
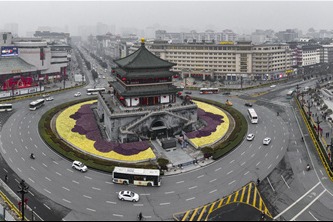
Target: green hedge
[(68, 152), (237, 135)]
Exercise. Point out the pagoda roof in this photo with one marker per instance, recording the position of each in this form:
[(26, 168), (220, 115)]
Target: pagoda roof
[(143, 58), (10, 65), (137, 75), (144, 91)]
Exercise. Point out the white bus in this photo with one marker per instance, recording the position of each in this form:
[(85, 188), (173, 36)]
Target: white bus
[(209, 90), (141, 177), (6, 107), (36, 104), (252, 115), (95, 91)]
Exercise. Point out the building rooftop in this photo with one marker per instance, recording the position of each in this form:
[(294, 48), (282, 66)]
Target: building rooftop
[(142, 58)]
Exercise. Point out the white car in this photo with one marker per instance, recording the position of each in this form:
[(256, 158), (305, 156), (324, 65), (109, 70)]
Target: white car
[(49, 98), (273, 86), (46, 95), (128, 196), (267, 141), (250, 137), (77, 94), (79, 166)]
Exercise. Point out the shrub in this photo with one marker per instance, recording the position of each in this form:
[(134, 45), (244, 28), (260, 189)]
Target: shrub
[(163, 163)]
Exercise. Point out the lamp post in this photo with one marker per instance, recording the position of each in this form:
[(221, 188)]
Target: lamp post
[(23, 189), (318, 126), (309, 108), (329, 156)]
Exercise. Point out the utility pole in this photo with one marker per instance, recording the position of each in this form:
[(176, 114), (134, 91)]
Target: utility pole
[(309, 108), (241, 82), (23, 189), (330, 156), (318, 126)]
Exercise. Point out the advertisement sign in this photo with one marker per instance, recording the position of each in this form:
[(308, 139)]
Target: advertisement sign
[(9, 51)]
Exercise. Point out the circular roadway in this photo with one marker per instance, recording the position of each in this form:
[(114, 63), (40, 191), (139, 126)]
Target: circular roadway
[(92, 195)]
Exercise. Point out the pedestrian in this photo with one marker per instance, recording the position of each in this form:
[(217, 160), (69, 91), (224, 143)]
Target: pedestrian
[(6, 178), (258, 181), (140, 216)]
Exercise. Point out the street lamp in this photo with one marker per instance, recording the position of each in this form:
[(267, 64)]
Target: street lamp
[(309, 108), (23, 189)]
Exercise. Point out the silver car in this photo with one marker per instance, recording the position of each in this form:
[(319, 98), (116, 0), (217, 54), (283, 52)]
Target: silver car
[(250, 137), (267, 141), (79, 166)]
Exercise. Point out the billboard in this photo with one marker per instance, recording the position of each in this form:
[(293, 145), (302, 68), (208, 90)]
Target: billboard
[(9, 51)]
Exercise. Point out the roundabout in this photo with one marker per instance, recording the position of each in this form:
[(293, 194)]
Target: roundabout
[(93, 196)]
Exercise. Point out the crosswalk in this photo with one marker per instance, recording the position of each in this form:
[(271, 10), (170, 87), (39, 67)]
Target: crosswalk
[(248, 195)]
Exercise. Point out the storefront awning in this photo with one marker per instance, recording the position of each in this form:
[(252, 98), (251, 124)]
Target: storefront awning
[(12, 65)]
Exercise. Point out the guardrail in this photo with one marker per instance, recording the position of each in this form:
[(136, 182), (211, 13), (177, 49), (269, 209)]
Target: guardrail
[(11, 205), (322, 156)]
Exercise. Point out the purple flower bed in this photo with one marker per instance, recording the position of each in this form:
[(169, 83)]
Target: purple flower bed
[(86, 125), (212, 121)]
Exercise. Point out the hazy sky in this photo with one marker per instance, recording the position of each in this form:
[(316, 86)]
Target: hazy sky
[(240, 16)]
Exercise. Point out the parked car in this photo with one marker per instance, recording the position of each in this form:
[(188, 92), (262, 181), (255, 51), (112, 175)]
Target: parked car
[(250, 137), (77, 94), (46, 95), (79, 166), (273, 86), (248, 104), (128, 196), (49, 98), (267, 141)]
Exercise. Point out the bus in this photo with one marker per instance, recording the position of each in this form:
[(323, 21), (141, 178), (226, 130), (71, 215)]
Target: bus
[(209, 90), (290, 94), (95, 91), (141, 177), (252, 115), (6, 107), (36, 104)]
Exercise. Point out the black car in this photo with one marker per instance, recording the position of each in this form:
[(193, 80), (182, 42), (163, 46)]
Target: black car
[(226, 93), (248, 104), (188, 93)]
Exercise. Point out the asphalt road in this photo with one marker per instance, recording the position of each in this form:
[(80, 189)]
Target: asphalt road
[(92, 196)]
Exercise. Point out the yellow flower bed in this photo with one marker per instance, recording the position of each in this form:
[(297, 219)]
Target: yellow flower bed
[(65, 124), (220, 131)]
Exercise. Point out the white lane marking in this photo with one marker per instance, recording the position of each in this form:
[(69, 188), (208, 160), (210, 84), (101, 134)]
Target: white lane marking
[(246, 173), (44, 164), (212, 180), (258, 163), (31, 193), (269, 166), (180, 182), (259, 147), (117, 215), (66, 188), (243, 164), (58, 174), (270, 184), (321, 172), (242, 153), (110, 202), (48, 179), (47, 206), (192, 187), (91, 210), (281, 148), (43, 154), (145, 194), (26, 147), (230, 172), (170, 192), (232, 182), (30, 138), (213, 191), (22, 158), (200, 176), (36, 146), (192, 198), (31, 180), (47, 191), (87, 196), (253, 155), (19, 170), (75, 182), (218, 169), (95, 188), (300, 160), (16, 150), (89, 178), (55, 162), (277, 156), (163, 204), (313, 216), (107, 182), (232, 161), (67, 201), (138, 205), (70, 170), (10, 160), (309, 205)]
